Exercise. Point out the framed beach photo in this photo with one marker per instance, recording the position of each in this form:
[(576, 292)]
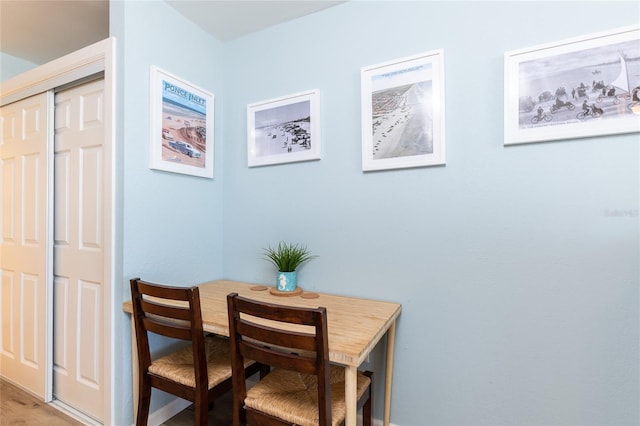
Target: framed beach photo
[(284, 130), (181, 117), (581, 87), (403, 112)]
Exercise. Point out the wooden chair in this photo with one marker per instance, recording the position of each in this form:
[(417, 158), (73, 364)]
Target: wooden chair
[(303, 388), (201, 371)]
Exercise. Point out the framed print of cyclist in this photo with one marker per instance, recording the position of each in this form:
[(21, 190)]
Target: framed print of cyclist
[(585, 86), (181, 119)]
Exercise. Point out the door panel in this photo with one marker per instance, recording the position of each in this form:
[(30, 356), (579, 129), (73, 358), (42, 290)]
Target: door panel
[(89, 308), (79, 249), (25, 245)]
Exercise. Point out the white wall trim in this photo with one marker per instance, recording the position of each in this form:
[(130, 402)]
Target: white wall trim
[(167, 411), (74, 66), (73, 413)]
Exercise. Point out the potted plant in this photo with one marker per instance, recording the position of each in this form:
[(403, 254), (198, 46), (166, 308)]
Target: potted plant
[(286, 257)]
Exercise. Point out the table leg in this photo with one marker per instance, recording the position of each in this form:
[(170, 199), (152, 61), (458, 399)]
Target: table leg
[(350, 393), (391, 341)]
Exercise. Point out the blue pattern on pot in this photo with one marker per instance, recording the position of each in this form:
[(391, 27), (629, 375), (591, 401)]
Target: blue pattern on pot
[(286, 281)]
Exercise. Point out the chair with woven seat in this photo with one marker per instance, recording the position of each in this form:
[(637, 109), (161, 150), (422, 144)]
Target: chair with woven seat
[(199, 372), (303, 388)]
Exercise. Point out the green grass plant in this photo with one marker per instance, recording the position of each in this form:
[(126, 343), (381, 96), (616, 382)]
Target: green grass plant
[(287, 256)]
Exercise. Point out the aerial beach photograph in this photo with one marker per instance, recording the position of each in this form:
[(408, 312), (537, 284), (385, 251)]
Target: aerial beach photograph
[(402, 112), (402, 122)]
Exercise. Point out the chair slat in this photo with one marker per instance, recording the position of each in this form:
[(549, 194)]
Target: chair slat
[(168, 330), (278, 359), (279, 337), (166, 292), (177, 312), (292, 315)]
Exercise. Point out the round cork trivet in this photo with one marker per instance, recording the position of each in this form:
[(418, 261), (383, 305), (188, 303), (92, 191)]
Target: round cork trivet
[(259, 288), (298, 291), (309, 295)]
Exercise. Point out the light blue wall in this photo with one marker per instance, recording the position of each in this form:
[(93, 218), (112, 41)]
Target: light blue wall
[(171, 223), (519, 286), (10, 66)]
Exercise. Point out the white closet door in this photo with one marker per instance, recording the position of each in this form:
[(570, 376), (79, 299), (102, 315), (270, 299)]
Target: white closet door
[(79, 249), (25, 244)]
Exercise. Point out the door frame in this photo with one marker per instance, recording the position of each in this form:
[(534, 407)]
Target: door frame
[(77, 66)]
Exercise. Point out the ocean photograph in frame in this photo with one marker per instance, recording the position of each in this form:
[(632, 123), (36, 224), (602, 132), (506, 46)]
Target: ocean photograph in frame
[(403, 112), (181, 118), (580, 87), (284, 129)]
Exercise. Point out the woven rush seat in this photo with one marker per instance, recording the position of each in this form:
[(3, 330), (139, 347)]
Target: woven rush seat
[(293, 396), (178, 366)]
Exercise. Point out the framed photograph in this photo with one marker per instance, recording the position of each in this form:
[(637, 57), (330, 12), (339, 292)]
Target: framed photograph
[(284, 130), (403, 112), (586, 86), (181, 120)]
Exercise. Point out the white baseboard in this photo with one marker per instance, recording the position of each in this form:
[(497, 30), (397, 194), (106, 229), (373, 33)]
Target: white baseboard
[(165, 412), (73, 413), (374, 422), (379, 422)]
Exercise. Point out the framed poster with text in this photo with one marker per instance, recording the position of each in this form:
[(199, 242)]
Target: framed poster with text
[(181, 117)]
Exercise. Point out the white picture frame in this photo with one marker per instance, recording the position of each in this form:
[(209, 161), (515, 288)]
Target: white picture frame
[(284, 129), (181, 119), (557, 78), (403, 120)]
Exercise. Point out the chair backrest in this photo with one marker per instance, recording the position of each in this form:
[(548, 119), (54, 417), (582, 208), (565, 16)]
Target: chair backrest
[(278, 344), (171, 312)]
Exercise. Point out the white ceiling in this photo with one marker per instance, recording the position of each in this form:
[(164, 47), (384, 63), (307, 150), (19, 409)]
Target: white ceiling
[(41, 30), (226, 20)]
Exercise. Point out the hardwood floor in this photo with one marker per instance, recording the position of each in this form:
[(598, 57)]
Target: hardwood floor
[(18, 408)]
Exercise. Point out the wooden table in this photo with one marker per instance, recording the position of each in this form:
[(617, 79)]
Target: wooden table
[(355, 327)]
